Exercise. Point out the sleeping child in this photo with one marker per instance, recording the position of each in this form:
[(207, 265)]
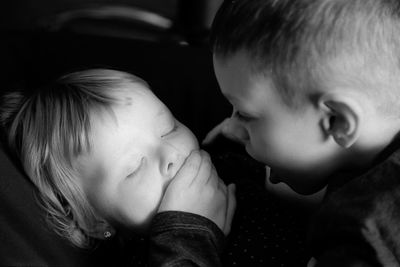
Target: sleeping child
[(104, 152)]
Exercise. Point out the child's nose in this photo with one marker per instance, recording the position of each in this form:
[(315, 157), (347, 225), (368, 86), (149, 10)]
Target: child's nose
[(171, 161)]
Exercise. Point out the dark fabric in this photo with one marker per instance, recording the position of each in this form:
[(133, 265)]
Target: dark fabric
[(184, 239), (24, 238), (359, 222), (266, 231)]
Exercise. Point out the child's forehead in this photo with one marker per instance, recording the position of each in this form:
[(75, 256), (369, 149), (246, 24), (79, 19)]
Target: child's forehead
[(128, 94), (134, 87), (139, 98)]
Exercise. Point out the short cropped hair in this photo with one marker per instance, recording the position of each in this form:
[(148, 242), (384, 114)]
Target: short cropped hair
[(47, 129), (298, 42)]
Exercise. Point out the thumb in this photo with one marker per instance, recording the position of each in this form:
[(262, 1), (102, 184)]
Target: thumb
[(231, 207)]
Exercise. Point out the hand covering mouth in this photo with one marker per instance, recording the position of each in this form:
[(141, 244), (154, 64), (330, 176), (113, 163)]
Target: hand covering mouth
[(177, 165)]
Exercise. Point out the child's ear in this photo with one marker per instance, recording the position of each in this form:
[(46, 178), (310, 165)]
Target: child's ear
[(342, 116)]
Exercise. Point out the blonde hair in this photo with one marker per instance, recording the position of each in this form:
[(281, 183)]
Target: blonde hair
[(47, 129)]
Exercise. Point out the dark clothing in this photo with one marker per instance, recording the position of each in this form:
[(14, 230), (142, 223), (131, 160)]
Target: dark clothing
[(358, 223), (185, 239)]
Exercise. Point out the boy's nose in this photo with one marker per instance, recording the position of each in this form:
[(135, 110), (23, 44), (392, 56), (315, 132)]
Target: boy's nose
[(236, 131)]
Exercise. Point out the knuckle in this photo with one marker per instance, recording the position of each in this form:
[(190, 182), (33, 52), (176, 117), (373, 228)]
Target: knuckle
[(192, 161), (206, 164), (210, 192)]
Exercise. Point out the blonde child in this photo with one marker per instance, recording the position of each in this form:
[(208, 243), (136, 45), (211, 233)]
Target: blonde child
[(108, 157)]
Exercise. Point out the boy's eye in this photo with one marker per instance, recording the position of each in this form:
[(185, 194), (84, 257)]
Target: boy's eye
[(173, 129), (242, 117)]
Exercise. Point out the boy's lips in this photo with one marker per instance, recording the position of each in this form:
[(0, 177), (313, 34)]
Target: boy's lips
[(274, 179), (271, 175)]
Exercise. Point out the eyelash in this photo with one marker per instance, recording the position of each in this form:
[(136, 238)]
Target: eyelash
[(137, 169), (172, 130), (242, 117)]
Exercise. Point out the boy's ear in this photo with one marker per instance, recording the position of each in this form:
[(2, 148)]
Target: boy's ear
[(342, 118)]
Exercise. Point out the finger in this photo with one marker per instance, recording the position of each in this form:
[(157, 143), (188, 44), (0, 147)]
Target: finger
[(312, 262), (204, 169), (214, 133), (189, 169), (213, 178), (222, 186), (219, 184), (231, 207)]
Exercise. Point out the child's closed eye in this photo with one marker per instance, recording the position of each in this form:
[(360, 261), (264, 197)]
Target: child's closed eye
[(173, 129), (137, 169)]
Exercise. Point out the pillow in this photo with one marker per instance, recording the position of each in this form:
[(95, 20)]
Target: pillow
[(25, 237)]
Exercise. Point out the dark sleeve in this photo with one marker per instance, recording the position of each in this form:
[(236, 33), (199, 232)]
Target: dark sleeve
[(336, 235), (184, 239), (358, 223), (347, 255)]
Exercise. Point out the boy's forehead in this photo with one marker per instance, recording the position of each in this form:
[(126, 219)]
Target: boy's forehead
[(241, 65), (236, 60), (239, 71)]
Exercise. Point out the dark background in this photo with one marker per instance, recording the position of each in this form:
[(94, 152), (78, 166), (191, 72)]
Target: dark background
[(24, 14)]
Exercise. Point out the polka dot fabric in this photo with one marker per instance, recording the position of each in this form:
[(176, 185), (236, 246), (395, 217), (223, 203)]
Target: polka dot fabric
[(266, 231)]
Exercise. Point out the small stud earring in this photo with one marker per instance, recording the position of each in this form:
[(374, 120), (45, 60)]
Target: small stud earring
[(107, 234)]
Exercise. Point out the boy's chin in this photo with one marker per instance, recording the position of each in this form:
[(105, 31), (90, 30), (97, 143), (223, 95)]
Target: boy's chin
[(298, 186), (272, 176), (274, 179), (306, 190)]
